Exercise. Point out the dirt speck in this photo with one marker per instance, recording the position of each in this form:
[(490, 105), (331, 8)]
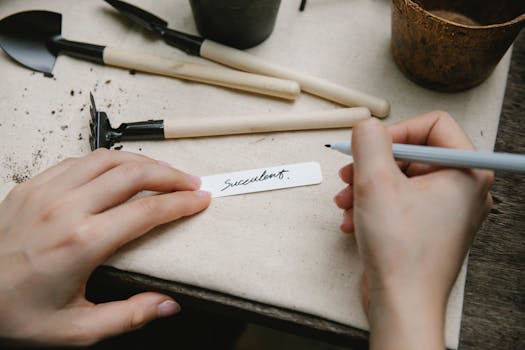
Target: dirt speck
[(37, 156), (119, 147), (259, 140), (19, 173), (19, 178)]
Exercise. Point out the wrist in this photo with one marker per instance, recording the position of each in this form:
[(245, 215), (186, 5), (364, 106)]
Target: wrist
[(406, 318)]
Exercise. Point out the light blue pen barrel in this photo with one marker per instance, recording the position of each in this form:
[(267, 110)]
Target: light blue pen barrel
[(455, 158)]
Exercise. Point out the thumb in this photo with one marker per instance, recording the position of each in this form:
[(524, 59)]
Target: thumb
[(372, 151), (109, 319)]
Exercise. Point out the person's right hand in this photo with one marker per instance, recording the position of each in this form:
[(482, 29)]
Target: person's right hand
[(413, 223), (56, 228)]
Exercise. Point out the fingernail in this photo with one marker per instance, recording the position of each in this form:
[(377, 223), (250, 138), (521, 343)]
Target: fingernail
[(196, 180), (203, 193), (168, 308), (167, 165)]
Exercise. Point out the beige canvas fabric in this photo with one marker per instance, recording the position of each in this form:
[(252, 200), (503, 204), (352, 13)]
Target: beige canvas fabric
[(283, 247)]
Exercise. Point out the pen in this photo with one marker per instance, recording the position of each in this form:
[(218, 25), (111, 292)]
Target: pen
[(456, 158)]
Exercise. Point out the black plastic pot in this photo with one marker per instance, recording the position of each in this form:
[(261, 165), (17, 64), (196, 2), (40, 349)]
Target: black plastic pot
[(238, 23)]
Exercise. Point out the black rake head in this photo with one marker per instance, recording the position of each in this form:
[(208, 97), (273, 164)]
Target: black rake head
[(101, 130), (104, 136)]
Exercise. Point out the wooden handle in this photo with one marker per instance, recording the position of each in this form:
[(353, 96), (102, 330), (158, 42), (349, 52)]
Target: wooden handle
[(214, 126), (210, 75), (317, 86)]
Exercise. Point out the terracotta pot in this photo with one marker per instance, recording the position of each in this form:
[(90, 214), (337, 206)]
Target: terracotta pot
[(452, 45), (238, 23)]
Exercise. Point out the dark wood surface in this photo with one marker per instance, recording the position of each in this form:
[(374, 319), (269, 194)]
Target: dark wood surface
[(494, 305)]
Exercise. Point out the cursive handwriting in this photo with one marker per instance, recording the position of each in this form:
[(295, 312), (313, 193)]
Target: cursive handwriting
[(263, 177)]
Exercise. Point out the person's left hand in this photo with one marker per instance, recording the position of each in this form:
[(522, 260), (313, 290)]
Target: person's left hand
[(56, 228)]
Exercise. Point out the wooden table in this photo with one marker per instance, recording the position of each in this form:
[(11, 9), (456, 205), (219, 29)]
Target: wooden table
[(494, 306)]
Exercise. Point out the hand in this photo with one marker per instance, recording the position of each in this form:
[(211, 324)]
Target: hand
[(59, 226), (413, 224)]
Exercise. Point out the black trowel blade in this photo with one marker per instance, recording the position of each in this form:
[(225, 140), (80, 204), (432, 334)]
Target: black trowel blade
[(24, 37)]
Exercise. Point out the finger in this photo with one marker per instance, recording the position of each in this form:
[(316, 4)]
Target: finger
[(372, 153), (436, 128), (345, 198), (87, 325), (485, 178), (348, 221), (420, 169), (91, 166), (53, 171), (19, 196), (124, 181), (346, 173), (117, 226)]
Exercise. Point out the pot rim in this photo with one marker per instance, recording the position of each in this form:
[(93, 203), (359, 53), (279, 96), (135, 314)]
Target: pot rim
[(515, 21)]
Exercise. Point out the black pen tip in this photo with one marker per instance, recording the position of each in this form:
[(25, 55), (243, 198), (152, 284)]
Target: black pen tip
[(328, 145), (303, 5)]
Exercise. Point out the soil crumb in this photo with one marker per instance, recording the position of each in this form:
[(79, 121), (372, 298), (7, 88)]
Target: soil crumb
[(19, 178), (16, 172)]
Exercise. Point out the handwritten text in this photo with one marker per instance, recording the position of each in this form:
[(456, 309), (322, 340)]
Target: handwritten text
[(264, 176)]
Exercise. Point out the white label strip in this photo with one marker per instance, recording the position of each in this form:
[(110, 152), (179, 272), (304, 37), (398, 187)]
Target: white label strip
[(263, 179)]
